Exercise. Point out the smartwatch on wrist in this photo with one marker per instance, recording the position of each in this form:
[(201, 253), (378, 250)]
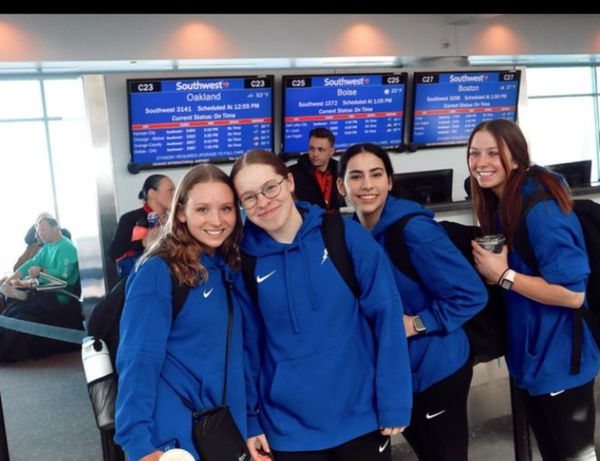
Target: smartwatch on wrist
[(508, 279), (418, 324)]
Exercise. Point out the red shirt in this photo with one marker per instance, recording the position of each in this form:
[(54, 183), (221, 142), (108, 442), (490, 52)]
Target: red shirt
[(325, 181)]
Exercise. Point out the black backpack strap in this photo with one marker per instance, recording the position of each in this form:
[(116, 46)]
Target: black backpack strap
[(334, 237), (248, 273), (228, 288), (396, 248), (179, 293)]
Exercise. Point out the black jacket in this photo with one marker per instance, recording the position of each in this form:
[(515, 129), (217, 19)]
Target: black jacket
[(307, 187), (121, 242)]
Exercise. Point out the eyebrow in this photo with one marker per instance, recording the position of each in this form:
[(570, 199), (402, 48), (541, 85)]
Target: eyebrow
[(370, 171)]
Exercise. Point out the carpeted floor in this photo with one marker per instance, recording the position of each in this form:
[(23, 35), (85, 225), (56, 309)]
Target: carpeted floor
[(48, 417), (47, 411)]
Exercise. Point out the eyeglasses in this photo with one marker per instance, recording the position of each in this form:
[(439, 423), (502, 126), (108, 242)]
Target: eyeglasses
[(270, 190)]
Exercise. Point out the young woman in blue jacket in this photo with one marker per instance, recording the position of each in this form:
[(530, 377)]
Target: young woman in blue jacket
[(449, 293), (328, 374), (160, 360), (540, 305)]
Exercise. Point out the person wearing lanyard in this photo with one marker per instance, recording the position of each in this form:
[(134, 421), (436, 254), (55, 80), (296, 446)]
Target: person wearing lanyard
[(315, 174)]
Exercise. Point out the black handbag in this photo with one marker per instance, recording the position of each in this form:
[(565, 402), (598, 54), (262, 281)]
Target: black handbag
[(215, 434)]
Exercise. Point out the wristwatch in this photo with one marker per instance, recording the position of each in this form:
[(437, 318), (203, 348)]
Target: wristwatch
[(508, 279), (418, 324)]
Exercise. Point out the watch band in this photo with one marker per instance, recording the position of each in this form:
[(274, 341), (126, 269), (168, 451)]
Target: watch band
[(508, 279), (418, 324)]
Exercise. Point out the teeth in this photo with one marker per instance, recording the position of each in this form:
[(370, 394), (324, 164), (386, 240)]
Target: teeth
[(213, 232), (485, 173), (367, 196)]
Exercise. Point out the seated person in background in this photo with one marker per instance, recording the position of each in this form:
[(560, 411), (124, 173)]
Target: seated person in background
[(58, 258), (315, 174), (133, 234), (34, 243)]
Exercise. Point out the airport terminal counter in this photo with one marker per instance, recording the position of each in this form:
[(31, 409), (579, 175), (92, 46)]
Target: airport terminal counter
[(461, 211)]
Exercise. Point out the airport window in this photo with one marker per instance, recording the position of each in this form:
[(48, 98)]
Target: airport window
[(46, 164), (563, 115)]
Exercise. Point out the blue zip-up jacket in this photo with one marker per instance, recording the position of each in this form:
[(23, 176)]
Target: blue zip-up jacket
[(540, 335), (323, 366), (451, 292), (159, 359)]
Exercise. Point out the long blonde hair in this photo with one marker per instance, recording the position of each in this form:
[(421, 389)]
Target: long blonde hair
[(178, 247)]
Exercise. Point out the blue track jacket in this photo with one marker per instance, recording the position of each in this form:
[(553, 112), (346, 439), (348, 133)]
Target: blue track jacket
[(323, 366), (159, 359), (451, 292), (540, 335)]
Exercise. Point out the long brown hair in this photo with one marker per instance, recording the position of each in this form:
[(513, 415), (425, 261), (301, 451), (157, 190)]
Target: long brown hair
[(178, 247), (509, 137)]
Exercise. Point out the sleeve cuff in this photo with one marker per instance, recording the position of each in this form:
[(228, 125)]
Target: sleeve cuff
[(429, 320), (394, 418), (254, 427), (139, 450)]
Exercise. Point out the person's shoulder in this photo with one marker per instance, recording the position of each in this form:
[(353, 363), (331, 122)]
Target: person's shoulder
[(295, 168), (132, 215), (152, 272), (66, 242)]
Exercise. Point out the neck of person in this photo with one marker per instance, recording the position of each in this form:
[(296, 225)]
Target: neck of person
[(323, 168), (371, 219), (55, 238), (155, 206), (287, 233)]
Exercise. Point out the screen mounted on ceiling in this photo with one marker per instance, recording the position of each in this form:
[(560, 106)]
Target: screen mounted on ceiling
[(356, 108), (448, 105), (183, 121)]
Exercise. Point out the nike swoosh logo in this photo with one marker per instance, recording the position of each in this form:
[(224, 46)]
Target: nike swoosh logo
[(382, 447), (552, 394), (260, 279), (428, 416), (207, 293)]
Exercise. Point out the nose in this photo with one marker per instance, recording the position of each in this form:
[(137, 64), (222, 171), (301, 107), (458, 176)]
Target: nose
[(366, 183), (262, 200), (214, 217)]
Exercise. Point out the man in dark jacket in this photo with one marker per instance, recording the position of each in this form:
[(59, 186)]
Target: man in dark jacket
[(315, 174)]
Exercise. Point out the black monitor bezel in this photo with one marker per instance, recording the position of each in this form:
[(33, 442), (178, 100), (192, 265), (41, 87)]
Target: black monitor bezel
[(289, 155), (411, 142), (135, 167), (585, 164), (440, 173)]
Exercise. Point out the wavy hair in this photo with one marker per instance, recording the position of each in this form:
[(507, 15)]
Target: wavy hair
[(487, 206), (178, 247)]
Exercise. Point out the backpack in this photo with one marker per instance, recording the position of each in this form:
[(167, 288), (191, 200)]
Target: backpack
[(588, 213), (486, 330), (104, 323)]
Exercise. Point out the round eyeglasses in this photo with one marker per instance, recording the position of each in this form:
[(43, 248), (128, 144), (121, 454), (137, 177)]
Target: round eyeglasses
[(270, 190)]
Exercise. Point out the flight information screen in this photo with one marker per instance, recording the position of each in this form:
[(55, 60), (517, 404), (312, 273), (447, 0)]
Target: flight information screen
[(356, 108), (448, 105), (190, 120)]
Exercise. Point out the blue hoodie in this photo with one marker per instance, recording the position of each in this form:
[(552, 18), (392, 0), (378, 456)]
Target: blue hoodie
[(450, 294), (158, 357), (323, 366), (540, 335)]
